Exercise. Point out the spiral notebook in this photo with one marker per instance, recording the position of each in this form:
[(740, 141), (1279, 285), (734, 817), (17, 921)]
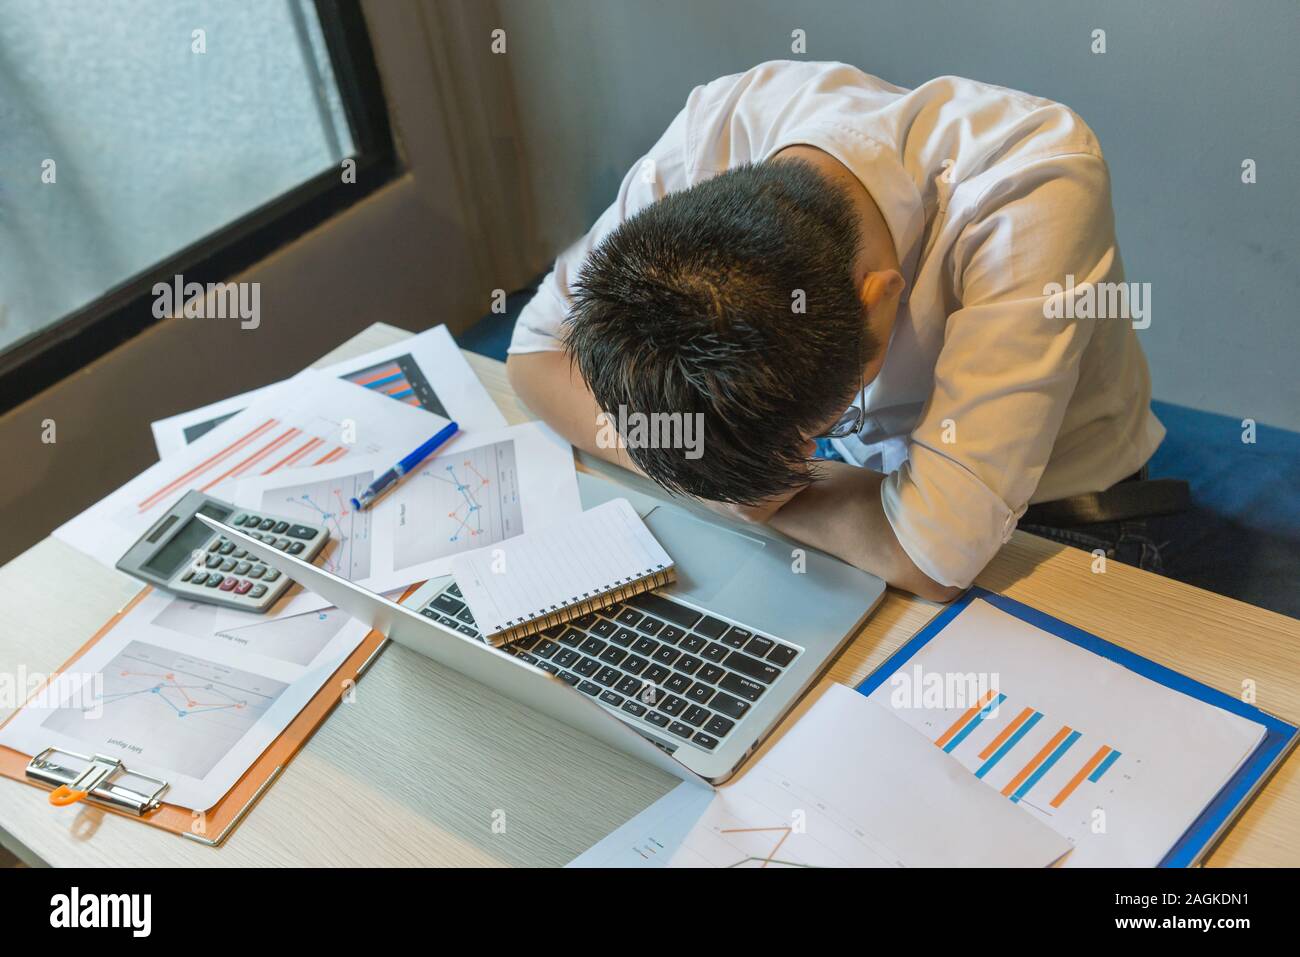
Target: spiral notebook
[(536, 580)]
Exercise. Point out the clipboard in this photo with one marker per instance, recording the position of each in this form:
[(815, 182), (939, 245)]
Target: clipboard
[(1212, 824), (109, 784)]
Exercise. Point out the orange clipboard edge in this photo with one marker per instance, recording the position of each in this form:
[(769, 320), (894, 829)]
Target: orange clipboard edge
[(213, 826)]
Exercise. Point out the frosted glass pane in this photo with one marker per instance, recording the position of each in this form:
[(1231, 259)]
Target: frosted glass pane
[(154, 145)]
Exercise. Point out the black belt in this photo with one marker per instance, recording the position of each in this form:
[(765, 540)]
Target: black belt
[(1134, 497)]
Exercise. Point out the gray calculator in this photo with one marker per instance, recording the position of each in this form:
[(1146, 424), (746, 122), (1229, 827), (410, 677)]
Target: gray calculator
[(185, 557)]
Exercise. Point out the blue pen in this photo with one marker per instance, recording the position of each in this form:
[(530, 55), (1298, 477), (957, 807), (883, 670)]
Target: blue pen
[(382, 484)]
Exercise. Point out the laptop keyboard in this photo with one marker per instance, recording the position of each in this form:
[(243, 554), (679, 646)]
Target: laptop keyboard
[(651, 659)]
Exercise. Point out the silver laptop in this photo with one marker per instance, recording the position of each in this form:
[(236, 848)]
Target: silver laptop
[(690, 678)]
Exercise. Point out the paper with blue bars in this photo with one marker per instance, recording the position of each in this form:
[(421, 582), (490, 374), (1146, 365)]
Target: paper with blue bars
[(1117, 763), (848, 785)]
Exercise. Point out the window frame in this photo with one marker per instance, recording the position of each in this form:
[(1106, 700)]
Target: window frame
[(50, 354)]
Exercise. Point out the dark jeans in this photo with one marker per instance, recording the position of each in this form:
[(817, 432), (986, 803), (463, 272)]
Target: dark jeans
[(1150, 543), (1141, 542)]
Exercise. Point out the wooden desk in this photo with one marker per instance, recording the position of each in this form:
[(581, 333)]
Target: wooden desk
[(416, 770)]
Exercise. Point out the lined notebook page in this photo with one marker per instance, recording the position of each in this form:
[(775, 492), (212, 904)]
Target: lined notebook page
[(540, 573)]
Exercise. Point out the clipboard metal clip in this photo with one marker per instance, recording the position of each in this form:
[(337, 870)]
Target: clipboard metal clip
[(95, 778)]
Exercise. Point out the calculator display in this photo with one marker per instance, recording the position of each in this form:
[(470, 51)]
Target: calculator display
[(181, 548)]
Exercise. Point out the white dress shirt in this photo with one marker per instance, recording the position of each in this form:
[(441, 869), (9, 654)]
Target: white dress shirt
[(984, 404)]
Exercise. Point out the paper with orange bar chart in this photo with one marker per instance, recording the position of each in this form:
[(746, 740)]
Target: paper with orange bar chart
[(846, 786), (1114, 762), (427, 371), (313, 419)]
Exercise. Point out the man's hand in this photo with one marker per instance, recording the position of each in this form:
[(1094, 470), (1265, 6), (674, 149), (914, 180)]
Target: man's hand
[(762, 513), (755, 514), (842, 514)]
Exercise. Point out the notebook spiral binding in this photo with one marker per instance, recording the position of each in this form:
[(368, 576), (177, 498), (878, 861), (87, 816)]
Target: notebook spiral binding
[(619, 591)]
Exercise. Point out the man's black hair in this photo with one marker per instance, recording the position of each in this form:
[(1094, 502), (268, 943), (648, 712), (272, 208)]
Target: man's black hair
[(692, 306)]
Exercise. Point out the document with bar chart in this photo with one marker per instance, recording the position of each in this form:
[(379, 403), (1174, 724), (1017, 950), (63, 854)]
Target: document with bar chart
[(847, 786), (314, 420), (1119, 764), (406, 371)]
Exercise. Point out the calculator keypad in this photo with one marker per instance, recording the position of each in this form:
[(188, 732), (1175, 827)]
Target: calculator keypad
[(240, 575)]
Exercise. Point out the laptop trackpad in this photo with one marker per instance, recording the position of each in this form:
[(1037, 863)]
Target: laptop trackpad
[(707, 556)]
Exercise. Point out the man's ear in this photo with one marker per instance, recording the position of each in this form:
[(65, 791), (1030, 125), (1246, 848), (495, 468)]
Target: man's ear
[(879, 287)]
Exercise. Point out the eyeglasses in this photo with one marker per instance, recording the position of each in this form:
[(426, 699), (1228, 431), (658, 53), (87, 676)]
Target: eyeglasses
[(852, 421)]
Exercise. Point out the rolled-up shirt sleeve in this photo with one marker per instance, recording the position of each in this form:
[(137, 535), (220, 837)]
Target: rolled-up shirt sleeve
[(1007, 368), (658, 172)]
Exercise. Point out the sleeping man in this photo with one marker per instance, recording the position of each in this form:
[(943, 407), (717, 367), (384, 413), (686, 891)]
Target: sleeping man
[(859, 292)]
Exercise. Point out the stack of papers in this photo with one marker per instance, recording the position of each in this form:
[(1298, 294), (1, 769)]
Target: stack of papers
[(191, 692), (1116, 763), (426, 371), (848, 786), (991, 739)]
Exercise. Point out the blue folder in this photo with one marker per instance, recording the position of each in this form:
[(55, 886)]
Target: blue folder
[(1213, 822)]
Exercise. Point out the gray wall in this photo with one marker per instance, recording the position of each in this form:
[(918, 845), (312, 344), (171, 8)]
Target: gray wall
[(1185, 92)]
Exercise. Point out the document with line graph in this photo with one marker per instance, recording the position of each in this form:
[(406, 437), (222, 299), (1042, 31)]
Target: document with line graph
[(487, 488), (848, 785), (194, 707), (314, 419)]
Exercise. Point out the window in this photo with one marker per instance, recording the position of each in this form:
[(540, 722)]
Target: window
[(144, 138)]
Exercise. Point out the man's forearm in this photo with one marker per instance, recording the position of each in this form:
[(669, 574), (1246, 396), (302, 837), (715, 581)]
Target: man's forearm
[(842, 515), (553, 389)]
